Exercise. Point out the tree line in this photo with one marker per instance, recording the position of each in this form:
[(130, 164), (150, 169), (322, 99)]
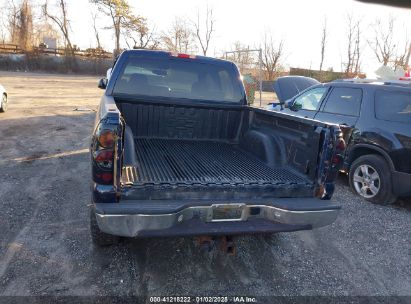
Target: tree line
[(53, 18), (387, 51), (22, 27)]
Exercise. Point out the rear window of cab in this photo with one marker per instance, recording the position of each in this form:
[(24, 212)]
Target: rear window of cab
[(393, 106), (179, 78)]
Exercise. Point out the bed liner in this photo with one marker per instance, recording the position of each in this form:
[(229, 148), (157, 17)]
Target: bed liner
[(176, 162)]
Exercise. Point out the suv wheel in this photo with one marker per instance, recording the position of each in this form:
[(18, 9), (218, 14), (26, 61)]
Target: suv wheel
[(3, 104), (100, 238), (370, 177)]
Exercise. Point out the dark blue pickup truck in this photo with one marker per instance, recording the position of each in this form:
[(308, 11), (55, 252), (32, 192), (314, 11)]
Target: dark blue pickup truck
[(177, 151)]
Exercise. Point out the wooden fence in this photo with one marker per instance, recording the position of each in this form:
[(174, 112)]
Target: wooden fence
[(10, 49), (88, 53), (323, 76)]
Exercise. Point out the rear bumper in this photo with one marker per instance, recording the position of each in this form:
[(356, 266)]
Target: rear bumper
[(164, 218), (401, 183)]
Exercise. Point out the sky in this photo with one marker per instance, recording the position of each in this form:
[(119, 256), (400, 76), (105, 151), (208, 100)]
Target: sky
[(297, 22)]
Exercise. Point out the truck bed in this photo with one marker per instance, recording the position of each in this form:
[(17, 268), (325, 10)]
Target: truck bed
[(185, 162), (197, 152)]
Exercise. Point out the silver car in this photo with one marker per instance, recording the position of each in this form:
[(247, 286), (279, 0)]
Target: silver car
[(3, 99)]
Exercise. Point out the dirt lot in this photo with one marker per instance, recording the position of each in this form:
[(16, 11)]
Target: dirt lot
[(45, 247)]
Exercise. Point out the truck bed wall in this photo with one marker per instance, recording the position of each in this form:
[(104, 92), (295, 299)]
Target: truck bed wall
[(182, 122), (283, 140), (275, 139)]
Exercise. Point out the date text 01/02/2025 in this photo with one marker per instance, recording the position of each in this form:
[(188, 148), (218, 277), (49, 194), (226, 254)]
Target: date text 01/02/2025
[(202, 299)]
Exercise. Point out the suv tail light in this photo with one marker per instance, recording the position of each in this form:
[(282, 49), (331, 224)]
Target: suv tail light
[(340, 145), (339, 151), (336, 160)]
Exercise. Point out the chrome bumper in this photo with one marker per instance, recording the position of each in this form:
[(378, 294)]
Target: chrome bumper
[(131, 225)]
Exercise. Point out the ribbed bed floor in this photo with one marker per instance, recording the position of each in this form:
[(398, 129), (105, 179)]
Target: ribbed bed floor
[(203, 162)]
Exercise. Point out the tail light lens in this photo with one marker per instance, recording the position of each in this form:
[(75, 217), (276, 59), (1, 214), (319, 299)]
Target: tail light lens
[(107, 178), (336, 160), (104, 158), (339, 150), (320, 191), (106, 139), (340, 145)]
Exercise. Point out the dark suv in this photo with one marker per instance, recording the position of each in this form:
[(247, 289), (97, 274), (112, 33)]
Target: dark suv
[(376, 121)]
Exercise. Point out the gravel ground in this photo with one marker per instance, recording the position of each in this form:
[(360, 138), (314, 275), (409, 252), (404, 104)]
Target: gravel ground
[(45, 246)]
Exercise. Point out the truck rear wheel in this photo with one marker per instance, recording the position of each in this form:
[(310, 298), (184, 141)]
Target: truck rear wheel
[(98, 237), (370, 177)]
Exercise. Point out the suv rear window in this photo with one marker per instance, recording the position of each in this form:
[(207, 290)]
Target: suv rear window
[(179, 78), (393, 106), (344, 101)]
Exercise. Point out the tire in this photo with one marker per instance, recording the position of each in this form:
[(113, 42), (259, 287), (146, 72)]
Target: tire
[(98, 237), (3, 106), (370, 178)]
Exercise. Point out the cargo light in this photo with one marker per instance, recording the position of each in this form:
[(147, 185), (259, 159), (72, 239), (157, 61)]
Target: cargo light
[(180, 55)]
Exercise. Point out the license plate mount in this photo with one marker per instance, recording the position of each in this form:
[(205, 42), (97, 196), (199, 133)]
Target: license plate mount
[(227, 212)]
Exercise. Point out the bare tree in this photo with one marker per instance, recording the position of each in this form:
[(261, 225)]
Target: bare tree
[(45, 29), (273, 53), (353, 45), (63, 23), (350, 44), (121, 16), (2, 31), (12, 12), (204, 36), (323, 42), (241, 58), (117, 10), (25, 26), (406, 62), (357, 49), (141, 34), (403, 58), (3, 24), (180, 37), (18, 20), (383, 45), (96, 30)]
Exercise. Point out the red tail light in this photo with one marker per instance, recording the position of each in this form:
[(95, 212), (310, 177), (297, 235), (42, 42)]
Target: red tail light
[(103, 150), (105, 177), (106, 139), (336, 160), (104, 158), (320, 191), (340, 145)]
